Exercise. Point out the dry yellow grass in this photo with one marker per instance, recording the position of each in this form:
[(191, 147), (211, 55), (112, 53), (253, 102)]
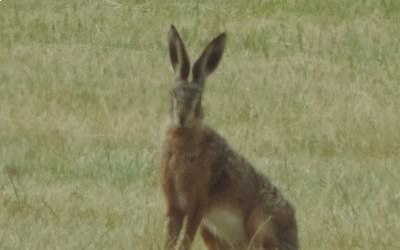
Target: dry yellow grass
[(307, 90)]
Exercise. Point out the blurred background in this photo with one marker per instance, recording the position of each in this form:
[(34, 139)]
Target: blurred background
[(307, 90)]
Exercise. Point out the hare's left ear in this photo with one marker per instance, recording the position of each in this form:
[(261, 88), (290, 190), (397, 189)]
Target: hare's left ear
[(178, 55), (209, 59)]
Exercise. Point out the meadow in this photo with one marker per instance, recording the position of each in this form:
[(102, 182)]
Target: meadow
[(308, 91)]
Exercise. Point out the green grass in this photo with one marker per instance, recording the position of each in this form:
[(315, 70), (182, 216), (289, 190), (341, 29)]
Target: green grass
[(308, 90)]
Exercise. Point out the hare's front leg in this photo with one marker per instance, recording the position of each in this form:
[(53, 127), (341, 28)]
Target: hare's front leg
[(174, 225), (175, 215), (193, 221)]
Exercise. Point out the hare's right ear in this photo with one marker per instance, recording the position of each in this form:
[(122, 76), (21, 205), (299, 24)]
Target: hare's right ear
[(178, 55)]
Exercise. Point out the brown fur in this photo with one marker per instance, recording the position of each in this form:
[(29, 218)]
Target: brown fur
[(202, 179)]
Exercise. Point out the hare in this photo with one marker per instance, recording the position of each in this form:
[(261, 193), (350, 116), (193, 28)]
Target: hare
[(205, 181)]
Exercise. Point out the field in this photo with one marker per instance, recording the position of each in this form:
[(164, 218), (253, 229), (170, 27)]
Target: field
[(308, 91)]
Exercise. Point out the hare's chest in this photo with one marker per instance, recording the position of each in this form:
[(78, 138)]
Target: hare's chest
[(188, 176), (183, 162), (186, 170)]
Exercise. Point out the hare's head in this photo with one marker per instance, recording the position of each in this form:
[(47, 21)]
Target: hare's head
[(186, 108)]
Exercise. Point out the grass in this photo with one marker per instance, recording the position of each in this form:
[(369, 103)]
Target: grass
[(307, 90)]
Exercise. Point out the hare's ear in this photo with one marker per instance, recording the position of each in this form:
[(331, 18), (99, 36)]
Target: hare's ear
[(209, 59), (177, 54)]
